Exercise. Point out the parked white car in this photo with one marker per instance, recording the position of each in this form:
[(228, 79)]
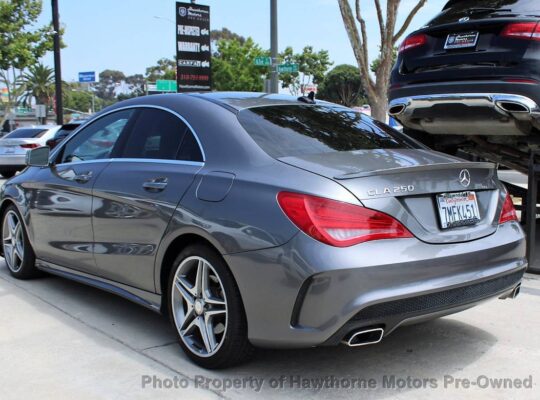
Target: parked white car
[(14, 145)]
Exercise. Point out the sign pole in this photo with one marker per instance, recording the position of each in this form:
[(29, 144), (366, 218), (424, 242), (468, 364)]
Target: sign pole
[(57, 67), (274, 77)]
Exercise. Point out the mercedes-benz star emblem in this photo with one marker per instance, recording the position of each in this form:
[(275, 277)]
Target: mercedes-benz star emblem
[(465, 178)]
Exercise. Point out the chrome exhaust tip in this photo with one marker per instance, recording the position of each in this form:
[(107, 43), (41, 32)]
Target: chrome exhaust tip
[(513, 107), (516, 291), (512, 294), (396, 109), (364, 337)]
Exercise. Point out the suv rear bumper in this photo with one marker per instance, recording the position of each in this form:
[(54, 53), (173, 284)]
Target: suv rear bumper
[(466, 109)]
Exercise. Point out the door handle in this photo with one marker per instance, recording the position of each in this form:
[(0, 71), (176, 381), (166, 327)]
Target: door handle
[(155, 185), (83, 177)]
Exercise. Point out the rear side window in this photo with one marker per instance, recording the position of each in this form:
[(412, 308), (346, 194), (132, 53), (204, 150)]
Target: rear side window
[(478, 9), (190, 150), (26, 133), (296, 130), (156, 134)]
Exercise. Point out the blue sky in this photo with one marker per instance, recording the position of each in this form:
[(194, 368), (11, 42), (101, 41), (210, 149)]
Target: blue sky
[(125, 35)]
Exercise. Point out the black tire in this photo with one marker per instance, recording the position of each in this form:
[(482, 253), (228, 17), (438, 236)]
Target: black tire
[(25, 268), (7, 173), (234, 346)]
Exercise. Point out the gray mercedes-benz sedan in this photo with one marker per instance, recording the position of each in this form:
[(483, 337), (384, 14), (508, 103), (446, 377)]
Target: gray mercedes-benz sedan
[(263, 220)]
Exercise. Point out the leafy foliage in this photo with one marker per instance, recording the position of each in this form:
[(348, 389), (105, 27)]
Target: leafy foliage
[(233, 66), (342, 85), (21, 44), (311, 68), (39, 84), (165, 68)]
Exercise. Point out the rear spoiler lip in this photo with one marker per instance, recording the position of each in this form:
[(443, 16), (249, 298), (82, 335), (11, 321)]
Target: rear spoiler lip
[(418, 168)]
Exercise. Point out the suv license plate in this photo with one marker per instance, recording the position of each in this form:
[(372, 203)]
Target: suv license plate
[(461, 40), (458, 209)]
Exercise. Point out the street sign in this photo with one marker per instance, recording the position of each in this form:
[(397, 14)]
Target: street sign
[(87, 77), (166, 86), (263, 61), (287, 68), (193, 55)]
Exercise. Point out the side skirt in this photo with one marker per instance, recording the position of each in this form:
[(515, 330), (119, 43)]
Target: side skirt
[(146, 299)]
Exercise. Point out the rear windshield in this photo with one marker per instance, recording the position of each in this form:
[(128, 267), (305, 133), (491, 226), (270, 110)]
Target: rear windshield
[(296, 130), (26, 133), (476, 9)]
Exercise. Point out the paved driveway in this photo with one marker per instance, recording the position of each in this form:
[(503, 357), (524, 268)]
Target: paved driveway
[(62, 340)]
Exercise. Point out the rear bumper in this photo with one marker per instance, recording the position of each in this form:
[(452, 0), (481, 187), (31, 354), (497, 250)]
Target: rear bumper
[(469, 108), (15, 161), (307, 294)]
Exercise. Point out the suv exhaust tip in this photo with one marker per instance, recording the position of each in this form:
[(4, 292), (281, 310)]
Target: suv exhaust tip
[(396, 109), (364, 337), (513, 107)]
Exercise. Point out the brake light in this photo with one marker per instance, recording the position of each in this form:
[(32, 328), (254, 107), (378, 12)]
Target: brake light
[(29, 145), (412, 42), (521, 80), (339, 224), (508, 212), (522, 30)]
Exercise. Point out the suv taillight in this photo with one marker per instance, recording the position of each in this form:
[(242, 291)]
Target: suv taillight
[(522, 30), (412, 42), (508, 212), (339, 224), (29, 145)]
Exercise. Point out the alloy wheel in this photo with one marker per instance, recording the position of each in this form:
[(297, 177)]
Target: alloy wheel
[(13, 241), (199, 306)]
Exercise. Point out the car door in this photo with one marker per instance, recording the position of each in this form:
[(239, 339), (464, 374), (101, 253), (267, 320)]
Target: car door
[(135, 197), (61, 208)]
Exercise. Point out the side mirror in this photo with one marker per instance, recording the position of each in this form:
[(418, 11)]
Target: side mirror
[(38, 157)]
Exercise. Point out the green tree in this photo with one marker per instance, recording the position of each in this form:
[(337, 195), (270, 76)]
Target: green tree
[(39, 85), (165, 68), (233, 67), (108, 80), (342, 85), (377, 62), (21, 44), (311, 68), (78, 99), (224, 34)]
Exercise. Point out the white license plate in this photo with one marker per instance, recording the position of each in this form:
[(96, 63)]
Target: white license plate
[(461, 40), (458, 209)]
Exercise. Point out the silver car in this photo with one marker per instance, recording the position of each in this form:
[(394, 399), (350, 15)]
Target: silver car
[(15, 145), (263, 220)]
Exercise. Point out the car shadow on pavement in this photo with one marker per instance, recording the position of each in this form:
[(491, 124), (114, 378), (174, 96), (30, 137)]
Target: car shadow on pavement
[(430, 350)]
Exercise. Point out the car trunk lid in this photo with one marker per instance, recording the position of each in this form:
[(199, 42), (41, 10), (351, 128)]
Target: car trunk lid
[(490, 55), (406, 183)]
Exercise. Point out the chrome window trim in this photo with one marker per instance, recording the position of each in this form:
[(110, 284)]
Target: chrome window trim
[(76, 131), (136, 160)]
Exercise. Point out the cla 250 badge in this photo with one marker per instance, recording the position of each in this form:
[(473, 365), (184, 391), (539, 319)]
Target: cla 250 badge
[(391, 190)]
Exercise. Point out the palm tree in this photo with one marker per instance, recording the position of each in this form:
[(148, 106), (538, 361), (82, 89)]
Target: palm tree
[(39, 83)]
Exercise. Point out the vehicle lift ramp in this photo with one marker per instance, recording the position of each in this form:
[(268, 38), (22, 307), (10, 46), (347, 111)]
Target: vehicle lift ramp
[(529, 209)]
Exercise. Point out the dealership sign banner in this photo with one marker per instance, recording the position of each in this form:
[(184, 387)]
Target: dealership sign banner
[(193, 56)]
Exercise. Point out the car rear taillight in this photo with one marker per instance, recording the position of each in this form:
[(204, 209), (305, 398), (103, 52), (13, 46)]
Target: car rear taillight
[(522, 30), (339, 224), (412, 42), (29, 145), (508, 212)]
